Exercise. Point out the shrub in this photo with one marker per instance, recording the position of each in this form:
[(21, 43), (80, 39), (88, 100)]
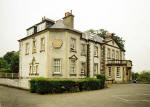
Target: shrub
[(33, 84), (89, 84), (102, 79), (42, 86)]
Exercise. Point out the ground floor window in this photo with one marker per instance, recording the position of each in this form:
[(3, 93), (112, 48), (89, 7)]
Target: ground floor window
[(82, 68), (33, 67), (118, 72), (109, 71), (72, 66), (95, 68), (57, 65)]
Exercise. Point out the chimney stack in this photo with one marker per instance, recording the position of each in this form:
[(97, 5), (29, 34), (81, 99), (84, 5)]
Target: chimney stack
[(69, 19), (43, 18)]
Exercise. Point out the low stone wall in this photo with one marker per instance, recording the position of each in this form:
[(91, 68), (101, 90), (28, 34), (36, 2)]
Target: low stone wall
[(18, 83)]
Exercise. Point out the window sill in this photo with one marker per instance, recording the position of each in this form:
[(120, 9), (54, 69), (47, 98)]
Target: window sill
[(27, 54), (83, 54), (33, 52), (118, 77), (96, 56), (59, 74), (42, 50), (37, 74), (73, 50), (73, 74)]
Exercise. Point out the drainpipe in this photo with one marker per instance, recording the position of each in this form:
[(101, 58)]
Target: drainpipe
[(88, 60)]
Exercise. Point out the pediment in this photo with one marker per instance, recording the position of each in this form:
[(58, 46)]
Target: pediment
[(73, 57)]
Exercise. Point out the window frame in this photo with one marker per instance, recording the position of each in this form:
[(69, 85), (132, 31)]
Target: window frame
[(118, 72), (42, 44), (73, 45), (96, 51), (95, 69), (27, 48), (58, 66), (109, 71), (74, 67)]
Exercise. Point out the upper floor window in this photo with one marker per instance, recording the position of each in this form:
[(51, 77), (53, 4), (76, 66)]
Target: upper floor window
[(41, 27), (57, 65), (73, 44), (113, 54), (83, 49), (30, 31), (42, 44), (27, 49), (118, 72), (34, 46), (108, 54), (95, 68), (95, 51)]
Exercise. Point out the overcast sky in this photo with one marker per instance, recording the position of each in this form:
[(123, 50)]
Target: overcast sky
[(129, 19)]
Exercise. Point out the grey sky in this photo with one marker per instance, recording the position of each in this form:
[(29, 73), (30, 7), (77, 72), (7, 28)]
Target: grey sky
[(129, 19)]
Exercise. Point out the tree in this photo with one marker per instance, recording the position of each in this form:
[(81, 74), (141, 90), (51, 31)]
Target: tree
[(3, 63), (7, 57), (135, 75), (144, 77), (14, 65)]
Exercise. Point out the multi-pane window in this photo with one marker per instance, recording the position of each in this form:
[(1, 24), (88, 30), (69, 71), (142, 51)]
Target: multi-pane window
[(57, 66), (113, 54), (30, 31), (73, 44), (72, 66), (82, 68), (95, 51), (118, 72), (109, 71), (27, 49), (108, 54), (83, 50), (41, 27), (34, 68), (95, 68), (34, 46), (42, 44)]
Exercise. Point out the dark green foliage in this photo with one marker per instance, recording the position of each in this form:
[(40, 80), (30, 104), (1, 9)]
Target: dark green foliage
[(89, 84), (102, 79), (135, 75), (3, 63), (144, 77), (9, 63), (43, 86), (8, 56), (14, 65)]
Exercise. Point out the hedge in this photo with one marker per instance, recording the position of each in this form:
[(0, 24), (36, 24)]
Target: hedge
[(89, 84), (43, 85), (102, 79)]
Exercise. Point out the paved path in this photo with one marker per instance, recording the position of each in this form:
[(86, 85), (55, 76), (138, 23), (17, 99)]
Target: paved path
[(117, 95)]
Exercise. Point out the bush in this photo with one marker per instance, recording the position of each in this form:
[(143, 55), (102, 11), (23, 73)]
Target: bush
[(42, 86), (5, 70), (89, 84), (102, 79)]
